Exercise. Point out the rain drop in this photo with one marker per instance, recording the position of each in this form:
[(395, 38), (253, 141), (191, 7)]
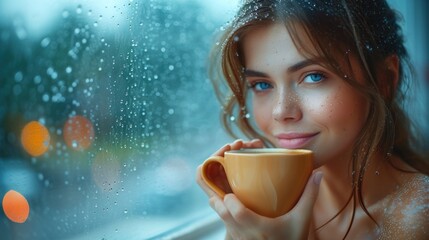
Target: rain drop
[(45, 42), (66, 14), (37, 79), (19, 76), (79, 9), (45, 97), (68, 69)]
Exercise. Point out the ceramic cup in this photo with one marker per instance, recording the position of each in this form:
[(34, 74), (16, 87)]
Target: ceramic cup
[(268, 181)]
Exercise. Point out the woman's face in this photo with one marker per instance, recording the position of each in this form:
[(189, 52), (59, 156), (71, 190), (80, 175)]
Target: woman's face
[(297, 102)]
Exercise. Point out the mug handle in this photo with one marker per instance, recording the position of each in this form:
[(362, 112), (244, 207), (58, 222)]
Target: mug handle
[(207, 179)]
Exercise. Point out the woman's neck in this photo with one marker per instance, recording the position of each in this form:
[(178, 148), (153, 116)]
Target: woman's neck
[(380, 179)]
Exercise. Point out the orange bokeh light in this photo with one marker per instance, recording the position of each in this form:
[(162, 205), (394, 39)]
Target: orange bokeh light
[(15, 206), (78, 133), (35, 138)]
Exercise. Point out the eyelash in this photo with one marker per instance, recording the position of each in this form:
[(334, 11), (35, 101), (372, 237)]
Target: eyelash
[(254, 85), (322, 77)]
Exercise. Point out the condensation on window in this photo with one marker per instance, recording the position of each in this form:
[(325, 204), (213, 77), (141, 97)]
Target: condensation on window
[(106, 111)]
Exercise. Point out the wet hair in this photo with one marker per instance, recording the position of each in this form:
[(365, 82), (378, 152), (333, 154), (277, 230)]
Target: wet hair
[(339, 30)]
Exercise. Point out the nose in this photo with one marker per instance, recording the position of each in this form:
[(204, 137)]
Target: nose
[(287, 107)]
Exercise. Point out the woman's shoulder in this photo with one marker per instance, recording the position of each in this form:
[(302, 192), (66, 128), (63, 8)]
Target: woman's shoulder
[(406, 214)]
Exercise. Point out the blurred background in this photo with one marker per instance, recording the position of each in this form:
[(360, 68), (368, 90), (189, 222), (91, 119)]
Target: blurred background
[(106, 111)]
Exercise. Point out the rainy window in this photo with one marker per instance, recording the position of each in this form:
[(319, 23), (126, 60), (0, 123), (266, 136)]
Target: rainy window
[(106, 111)]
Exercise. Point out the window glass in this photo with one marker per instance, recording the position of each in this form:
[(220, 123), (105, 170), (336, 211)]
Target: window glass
[(106, 111)]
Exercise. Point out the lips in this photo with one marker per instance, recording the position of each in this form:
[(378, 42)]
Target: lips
[(295, 140)]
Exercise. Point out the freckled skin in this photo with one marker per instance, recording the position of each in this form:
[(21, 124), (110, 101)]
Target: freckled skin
[(331, 108)]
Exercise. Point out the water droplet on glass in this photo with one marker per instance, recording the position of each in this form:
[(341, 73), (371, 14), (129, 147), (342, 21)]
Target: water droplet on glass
[(68, 69), (66, 14), (45, 42), (19, 76), (79, 9), (37, 79), (45, 97)]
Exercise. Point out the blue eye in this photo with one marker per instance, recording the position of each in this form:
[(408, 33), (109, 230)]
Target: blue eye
[(314, 78), (261, 86)]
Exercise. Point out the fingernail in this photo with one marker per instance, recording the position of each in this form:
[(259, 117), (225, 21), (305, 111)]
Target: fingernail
[(227, 200), (317, 178)]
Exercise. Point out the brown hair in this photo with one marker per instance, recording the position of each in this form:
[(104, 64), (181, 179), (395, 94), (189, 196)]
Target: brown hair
[(339, 30)]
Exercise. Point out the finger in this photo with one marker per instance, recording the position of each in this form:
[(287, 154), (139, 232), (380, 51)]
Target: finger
[(237, 144), (218, 205), (304, 207), (222, 150), (233, 229), (255, 143), (240, 213)]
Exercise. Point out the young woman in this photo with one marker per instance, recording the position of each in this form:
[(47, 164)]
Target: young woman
[(329, 76)]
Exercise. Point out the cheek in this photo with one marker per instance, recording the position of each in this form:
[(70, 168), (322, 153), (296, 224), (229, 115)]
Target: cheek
[(343, 109), (262, 115)]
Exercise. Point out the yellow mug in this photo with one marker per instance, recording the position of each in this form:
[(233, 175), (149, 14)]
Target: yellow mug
[(268, 181)]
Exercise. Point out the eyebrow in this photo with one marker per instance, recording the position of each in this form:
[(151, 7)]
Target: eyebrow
[(293, 68)]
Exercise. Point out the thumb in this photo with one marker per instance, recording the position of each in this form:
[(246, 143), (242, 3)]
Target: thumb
[(304, 207)]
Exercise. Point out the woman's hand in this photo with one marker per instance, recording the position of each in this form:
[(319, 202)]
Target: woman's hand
[(242, 223)]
